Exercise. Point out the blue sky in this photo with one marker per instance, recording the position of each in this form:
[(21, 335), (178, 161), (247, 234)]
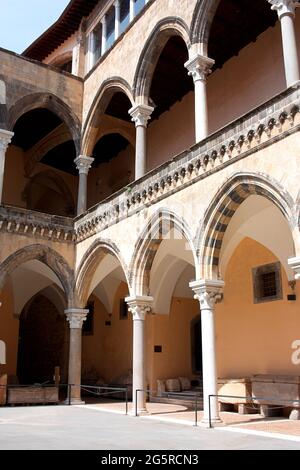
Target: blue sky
[(22, 21)]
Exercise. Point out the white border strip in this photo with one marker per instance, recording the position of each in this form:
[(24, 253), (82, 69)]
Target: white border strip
[(273, 435)]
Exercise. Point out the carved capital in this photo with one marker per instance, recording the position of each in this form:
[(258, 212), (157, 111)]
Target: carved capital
[(208, 293), (199, 67), (83, 164), (294, 264), (5, 139), (76, 317), (284, 7), (141, 114), (139, 307)]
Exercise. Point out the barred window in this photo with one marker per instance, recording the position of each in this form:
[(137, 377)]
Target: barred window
[(267, 283)]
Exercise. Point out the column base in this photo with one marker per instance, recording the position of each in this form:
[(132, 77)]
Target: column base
[(214, 422), (140, 412), (74, 402)]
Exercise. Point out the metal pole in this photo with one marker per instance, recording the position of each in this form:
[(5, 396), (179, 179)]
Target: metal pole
[(136, 394), (209, 412), (196, 412), (69, 391), (126, 395)]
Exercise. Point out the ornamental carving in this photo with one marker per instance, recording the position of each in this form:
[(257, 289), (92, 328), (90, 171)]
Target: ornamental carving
[(284, 7)]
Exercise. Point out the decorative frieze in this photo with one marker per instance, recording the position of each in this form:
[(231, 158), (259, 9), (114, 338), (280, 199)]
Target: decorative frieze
[(34, 224)]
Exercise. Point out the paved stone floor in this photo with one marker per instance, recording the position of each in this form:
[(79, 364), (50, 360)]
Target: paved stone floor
[(76, 428)]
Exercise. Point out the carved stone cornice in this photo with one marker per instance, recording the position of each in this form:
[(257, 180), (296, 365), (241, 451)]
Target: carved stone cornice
[(83, 164), (139, 306), (284, 7), (199, 67), (208, 293), (35, 224), (141, 114), (76, 317), (5, 139)]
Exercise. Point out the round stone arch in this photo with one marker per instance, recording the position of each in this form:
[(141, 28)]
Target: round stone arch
[(163, 31), (148, 244), (203, 16), (89, 263), (52, 103), (47, 256), (108, 88), (224, 204)]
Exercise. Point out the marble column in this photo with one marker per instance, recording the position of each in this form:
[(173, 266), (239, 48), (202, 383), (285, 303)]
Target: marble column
[(140, 116), (286, 14), (5, 139), (117, 5), (75, 317), (139, 307), (208, 293), (199, 68), (83, 165), (104, 35), (131, 10), (91, 51)]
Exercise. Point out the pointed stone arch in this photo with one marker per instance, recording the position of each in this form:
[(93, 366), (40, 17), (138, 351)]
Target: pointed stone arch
[(223, 207), (163, 31), (201, 22), (99, 104), (88, 266), (148, 244), (52, 103), (47, 256)]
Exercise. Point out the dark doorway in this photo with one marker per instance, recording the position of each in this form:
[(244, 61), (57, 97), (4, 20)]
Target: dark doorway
[(41, 342)]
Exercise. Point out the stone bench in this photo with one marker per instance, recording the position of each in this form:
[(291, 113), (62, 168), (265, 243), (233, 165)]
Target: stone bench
[(236, 393)]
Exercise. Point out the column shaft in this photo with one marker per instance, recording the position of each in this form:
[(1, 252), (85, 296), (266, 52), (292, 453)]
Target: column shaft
[(104, 35), (138, 375), (141, 152), (117, 18), (5, 139), (290, 53), (209, 363), (201, 115), (82, 194)]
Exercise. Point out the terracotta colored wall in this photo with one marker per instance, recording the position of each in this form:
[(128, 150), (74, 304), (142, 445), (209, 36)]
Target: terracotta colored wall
[(9, 331), (109, 350), (254, 338), (173, 333)]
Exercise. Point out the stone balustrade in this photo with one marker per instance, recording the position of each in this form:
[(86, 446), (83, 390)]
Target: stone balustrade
[(35, 224), (265, 125)]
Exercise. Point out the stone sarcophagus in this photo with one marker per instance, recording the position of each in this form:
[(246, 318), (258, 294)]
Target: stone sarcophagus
[(32, 395), (277, 390), (235, 391)]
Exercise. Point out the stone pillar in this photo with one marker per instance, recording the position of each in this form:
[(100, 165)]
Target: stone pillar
[(117, 18), (75, 317), (5, 139), (91, 51), (139, 307), (104, 35), (83, 165), (140, 116), (131, 10), (199, 68), (208, 293), (286, 14)]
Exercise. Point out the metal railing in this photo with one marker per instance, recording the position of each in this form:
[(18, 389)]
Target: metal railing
[(250, 400), (152, 393), (104, 392)]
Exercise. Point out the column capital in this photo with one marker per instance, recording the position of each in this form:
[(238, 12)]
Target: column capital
[(294, 264), (5, 138), (83, 164), (284, 7), (199, 67), (117, 3), (141, 114), (139, 306), (208, 292), (76, 317)]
